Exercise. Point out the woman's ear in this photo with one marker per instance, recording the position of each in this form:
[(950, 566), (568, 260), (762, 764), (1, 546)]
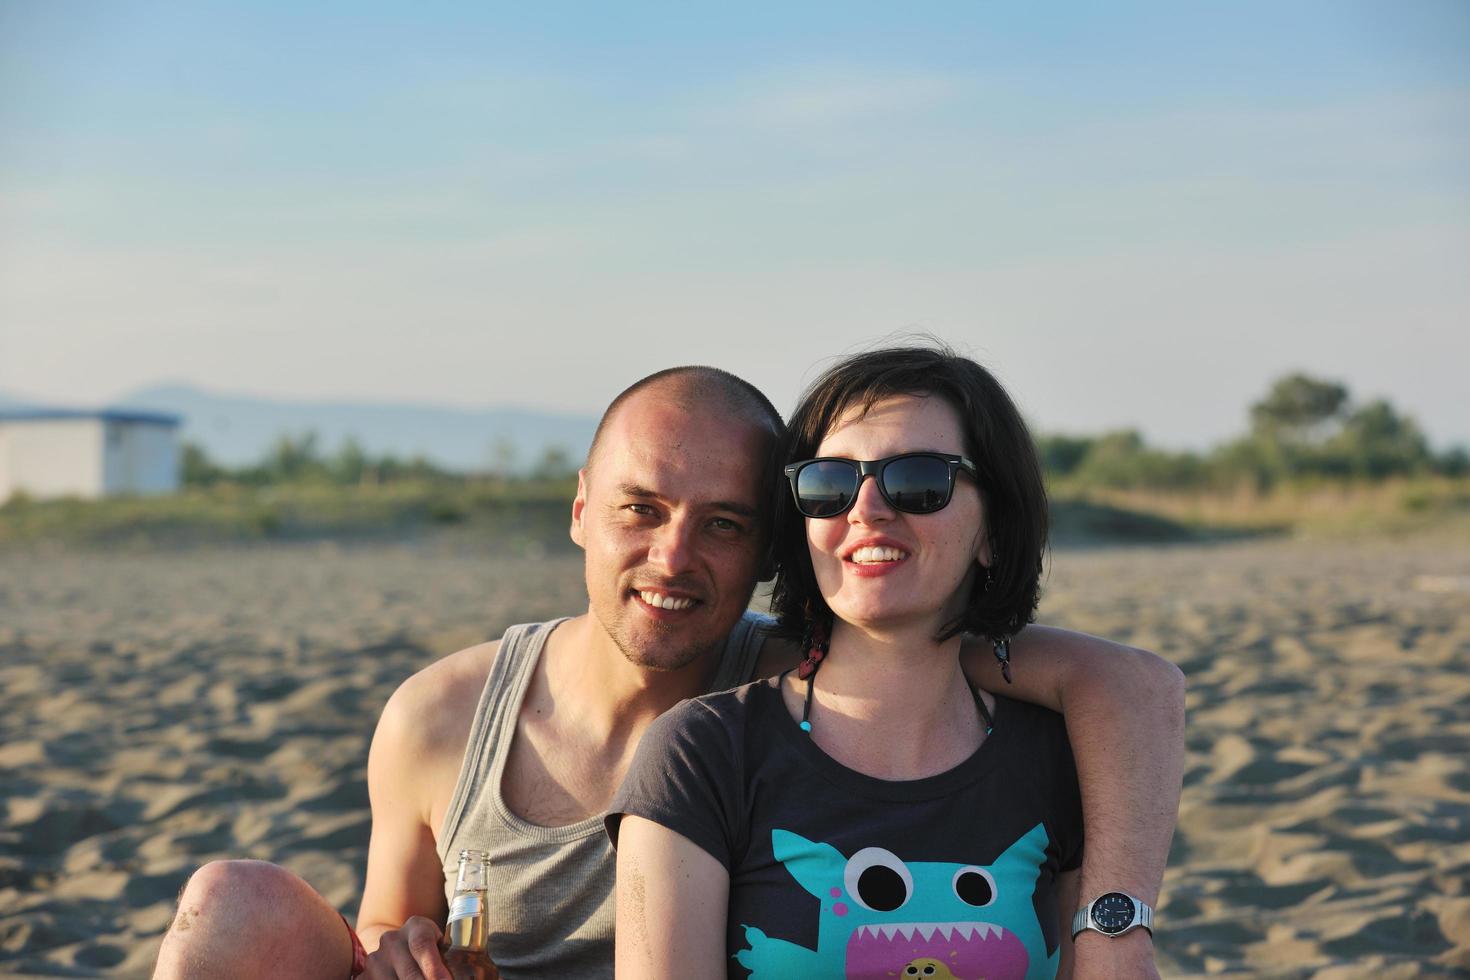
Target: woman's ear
[(984, 554)]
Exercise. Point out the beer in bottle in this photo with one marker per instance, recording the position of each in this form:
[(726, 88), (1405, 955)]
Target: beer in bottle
[(468, 930)]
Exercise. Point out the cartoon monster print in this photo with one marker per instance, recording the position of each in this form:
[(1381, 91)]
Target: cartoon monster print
[(882, 917)]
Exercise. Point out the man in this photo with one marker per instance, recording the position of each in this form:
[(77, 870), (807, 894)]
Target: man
[(517, 746)]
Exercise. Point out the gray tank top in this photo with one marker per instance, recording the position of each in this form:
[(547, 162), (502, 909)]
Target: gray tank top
[(550, 888)]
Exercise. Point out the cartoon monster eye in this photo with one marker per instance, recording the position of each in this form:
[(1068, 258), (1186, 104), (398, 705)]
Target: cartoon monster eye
[(878, 880), (974, 886)]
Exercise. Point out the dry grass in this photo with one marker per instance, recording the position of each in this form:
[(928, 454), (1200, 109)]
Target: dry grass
[(1309, 508)]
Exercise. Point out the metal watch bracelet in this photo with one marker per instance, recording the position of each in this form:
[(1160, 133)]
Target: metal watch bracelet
[(1113, 914)]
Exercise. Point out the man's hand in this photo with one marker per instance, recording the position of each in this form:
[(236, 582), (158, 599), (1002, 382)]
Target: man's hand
[(1099, 957), (410, 952)]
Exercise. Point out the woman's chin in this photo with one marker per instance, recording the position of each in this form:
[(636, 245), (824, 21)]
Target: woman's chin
[(888, 621)]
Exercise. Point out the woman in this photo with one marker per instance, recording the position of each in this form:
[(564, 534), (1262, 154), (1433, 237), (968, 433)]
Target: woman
[(869, 814)]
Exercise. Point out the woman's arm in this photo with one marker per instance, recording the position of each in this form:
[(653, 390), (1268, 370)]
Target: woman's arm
[(672, 897)]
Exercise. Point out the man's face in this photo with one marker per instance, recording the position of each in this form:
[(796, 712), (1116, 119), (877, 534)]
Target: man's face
[(667, 513)]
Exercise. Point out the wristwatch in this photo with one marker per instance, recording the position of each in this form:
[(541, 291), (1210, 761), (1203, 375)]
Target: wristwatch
[(1112, 915)]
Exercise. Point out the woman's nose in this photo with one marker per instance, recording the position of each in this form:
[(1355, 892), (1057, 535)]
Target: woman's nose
[(870, 506)]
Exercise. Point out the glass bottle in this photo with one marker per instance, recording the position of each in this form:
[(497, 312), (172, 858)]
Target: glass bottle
[(468, 930)]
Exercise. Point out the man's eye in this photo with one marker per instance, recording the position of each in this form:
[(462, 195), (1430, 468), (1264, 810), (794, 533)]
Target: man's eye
[(725, 524), (643, 510)]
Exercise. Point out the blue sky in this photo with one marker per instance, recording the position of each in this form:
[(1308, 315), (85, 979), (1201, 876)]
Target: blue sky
[(1138, 214)]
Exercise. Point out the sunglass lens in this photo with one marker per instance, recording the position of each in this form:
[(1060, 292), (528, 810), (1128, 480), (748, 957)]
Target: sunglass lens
[(917, 484), (825, 488)]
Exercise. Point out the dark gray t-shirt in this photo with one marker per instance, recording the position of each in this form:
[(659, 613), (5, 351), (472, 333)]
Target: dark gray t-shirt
[(834, 873)]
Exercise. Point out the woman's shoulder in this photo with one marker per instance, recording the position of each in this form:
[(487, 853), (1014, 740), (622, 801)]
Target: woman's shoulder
[(728, 710), (688, 773)]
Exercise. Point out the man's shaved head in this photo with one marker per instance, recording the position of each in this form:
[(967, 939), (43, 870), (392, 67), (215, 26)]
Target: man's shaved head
[(701, 388), (676, 499)]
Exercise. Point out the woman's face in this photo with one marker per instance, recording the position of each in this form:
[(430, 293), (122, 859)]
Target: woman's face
[(878, 567)]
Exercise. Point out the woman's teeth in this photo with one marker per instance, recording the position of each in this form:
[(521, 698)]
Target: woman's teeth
[(868, 556), (660, 601)]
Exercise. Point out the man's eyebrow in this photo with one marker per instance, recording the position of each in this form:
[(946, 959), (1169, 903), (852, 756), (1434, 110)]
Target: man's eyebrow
[(640, 491), (744, 510), (635, 490)]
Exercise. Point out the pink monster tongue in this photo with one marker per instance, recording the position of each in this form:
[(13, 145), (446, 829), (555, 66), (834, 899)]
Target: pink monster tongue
[(971, 951)]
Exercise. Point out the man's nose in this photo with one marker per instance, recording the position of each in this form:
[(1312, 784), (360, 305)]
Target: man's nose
[(672, 550), (869, 507)]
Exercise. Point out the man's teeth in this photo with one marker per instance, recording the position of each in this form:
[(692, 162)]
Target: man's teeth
[(660, 601), (869, 555)]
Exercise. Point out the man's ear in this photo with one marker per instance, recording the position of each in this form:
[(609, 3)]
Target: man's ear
[(579, 510)]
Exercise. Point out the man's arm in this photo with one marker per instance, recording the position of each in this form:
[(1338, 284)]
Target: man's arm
[(1124, 710), (1067, 884), (412, 767)]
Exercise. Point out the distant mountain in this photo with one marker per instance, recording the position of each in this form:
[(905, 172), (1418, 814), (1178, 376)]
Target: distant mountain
[(240, 429), (9, 403)]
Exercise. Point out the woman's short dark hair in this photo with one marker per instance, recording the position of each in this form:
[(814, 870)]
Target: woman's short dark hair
[(996, 439)]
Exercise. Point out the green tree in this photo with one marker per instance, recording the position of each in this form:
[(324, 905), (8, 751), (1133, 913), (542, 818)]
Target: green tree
[(294, 458), (555, 464), (1254, 461), (503, 456), (1299, 410), (351, 463), (1061, 455), (1454, 461), (1122, 459), (198, 470), (1376, 441)]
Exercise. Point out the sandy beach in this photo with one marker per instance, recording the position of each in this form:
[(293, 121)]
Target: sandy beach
[(160, 709)]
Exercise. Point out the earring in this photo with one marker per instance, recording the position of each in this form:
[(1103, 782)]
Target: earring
[(817, 643), (1003, 657)]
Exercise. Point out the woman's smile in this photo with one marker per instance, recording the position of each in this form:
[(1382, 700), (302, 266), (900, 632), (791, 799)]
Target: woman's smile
[(875, 564)]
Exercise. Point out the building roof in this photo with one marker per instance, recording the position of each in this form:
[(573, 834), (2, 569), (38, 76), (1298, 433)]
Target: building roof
[(102, 415)]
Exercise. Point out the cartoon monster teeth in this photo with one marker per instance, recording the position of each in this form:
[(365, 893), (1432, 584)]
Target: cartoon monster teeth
[(999, 940)]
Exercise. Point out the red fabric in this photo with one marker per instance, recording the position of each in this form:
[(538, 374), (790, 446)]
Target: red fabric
[(359, 955)]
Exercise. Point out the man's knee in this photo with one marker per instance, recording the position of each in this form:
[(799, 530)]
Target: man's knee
[(234, 915), (229, 888)]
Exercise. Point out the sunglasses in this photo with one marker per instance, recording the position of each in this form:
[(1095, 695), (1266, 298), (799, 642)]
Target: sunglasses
[(914, 483)]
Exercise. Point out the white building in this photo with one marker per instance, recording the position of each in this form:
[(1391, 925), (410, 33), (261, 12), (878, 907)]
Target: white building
[(61, 453)]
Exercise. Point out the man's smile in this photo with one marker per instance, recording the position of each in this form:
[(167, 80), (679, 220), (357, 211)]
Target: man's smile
[(664, 601)]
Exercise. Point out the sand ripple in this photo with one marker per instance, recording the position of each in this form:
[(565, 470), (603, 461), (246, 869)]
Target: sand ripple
[(161, 710), (1325, 825)]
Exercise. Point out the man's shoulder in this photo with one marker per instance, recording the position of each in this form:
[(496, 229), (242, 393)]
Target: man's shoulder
[(419, 744), (777, 654), (431, 711), (439, 701), (448, 681)]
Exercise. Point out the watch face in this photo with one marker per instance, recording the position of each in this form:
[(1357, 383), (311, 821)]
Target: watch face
[(1113, 912)]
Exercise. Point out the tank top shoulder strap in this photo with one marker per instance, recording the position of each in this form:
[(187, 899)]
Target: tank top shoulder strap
[(499, 702), (741, 651)]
